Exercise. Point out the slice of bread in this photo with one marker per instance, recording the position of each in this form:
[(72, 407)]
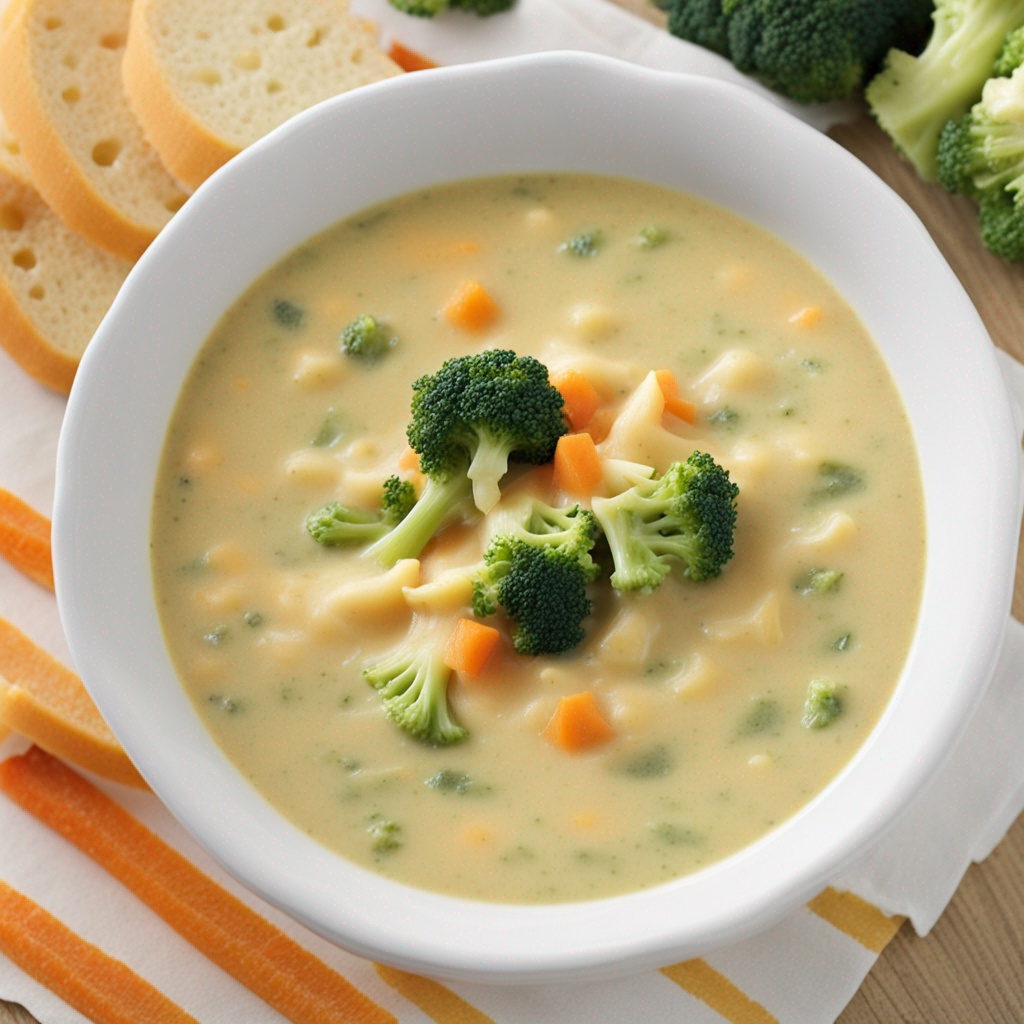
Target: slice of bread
[(54, 286), (206, 79), (62, 97), (11, 159)]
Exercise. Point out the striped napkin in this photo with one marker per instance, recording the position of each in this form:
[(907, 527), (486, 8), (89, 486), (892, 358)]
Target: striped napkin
[(774, 978)]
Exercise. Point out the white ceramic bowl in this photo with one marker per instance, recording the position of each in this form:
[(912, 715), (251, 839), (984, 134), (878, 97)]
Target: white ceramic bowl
[(541, 113)]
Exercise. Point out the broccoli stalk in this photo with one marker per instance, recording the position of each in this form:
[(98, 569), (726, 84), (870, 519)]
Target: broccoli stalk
[(432, 8), (336, 523), (413, 685), (440, 499), (686, 516), (538, 573), (809, 50), (914, 97), (485, 410)]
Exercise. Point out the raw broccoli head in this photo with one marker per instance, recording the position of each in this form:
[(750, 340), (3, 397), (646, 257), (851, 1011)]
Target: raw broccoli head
[(686, 517), (538, 573), (484, 8), (1012, 56), (810, 50), (485, 410), (1002, 225), (413, 684)]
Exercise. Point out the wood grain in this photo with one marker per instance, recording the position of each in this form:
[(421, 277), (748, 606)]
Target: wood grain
[(970, 969)]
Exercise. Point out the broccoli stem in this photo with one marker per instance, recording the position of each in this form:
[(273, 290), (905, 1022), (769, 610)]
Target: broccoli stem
[(413, 533), (488, 466)]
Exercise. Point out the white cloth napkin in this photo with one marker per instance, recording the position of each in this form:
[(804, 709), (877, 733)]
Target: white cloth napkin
[(913, 870)]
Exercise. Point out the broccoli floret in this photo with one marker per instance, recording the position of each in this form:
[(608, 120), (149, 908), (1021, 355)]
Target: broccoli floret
[(366, 339), (485, 410), (820, 581), (431, 8), (981, 156), (336, 524), (538, 573), (420, 8), (686, 516), (483, 8), (823, 705), (809, 50), (585, 244), (913, 97), (413, 685)]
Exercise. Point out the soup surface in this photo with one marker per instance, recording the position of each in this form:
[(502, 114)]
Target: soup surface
[(728, 703)]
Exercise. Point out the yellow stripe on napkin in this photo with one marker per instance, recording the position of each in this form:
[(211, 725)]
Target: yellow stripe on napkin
[(702, 981), (857, 918), (439, 1003)]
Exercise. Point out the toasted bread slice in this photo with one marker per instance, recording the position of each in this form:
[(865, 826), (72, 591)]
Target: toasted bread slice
[(62, 98), (11, 159), (54, 286), (207, 80)]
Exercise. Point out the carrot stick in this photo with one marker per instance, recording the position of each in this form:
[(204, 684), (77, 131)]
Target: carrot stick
[(25, 539), (577, 465), (233, 936), (579, 395), (105, 990), (674, 404), (469, 646), (578, 724), (408, 59), (470, 308), (48, 704)]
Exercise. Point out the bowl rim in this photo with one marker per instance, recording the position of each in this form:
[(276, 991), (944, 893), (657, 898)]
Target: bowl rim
[(421, 931)]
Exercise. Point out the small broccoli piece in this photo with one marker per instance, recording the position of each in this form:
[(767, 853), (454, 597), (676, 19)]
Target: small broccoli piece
[(823, 704), (913, 97), (538, 573), (1002, 226), (1012, 55), (413, 684), (585, 244), (686, 516), (449, 781), (288, 314), (820, 581), (809, 50), (483, 8), (420, 8), (486, 410), (398, 499), (336, 524), (386, 835), (651, 237), (836, 479), (366, 339)]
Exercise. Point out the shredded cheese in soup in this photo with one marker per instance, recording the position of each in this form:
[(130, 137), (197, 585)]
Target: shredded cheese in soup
[(716, 707)]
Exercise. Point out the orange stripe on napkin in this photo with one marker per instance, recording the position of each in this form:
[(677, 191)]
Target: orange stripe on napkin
[(48, 704), (701, 980), (439, 1003), (857, 918), (227, 931), (105, 990), (25, 539)]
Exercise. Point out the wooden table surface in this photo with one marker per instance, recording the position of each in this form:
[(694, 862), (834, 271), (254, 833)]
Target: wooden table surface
[(970, 969)]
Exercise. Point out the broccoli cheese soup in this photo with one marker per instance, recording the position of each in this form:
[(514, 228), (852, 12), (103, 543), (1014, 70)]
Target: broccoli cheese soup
[(541, 538)]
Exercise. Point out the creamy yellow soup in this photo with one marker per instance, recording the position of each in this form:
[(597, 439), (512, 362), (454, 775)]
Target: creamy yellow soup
[(704, 687)]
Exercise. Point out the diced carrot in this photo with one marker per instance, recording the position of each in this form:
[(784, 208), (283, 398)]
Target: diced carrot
[(674, 404), (101, 988), (48, 704), (408, 59), (409, 460), (578, 724), (577, 466), (223, 928), (469, 646), (470, 307), (25, 539), (806, 317), (580, 398)]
